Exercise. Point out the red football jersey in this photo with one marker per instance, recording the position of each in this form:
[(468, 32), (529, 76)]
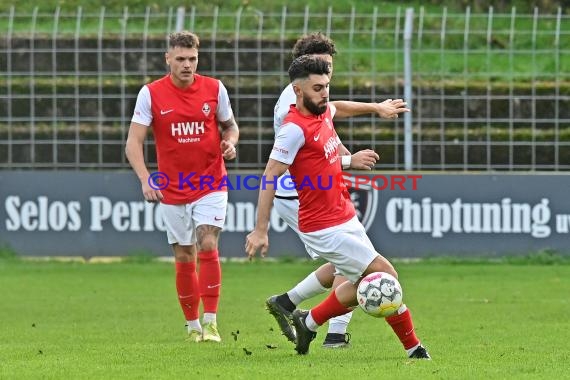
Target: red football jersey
[(187, 137), (324, 201)]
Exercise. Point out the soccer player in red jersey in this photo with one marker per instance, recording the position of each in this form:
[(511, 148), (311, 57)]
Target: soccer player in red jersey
[(286, 201), (185, 110), (307, 146)]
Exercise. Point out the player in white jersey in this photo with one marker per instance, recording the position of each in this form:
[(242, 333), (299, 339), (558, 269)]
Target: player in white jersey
[(286, 199)]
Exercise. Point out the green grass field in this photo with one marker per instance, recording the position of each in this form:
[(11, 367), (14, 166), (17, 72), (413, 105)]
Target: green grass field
[(122, 320)]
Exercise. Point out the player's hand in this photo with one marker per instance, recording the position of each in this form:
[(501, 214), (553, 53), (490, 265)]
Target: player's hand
[(256, 241), (364, 159), (151, 195), (228, 150), (391, 108)]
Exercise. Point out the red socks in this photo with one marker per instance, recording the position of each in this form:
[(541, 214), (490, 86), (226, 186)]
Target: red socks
[(187, 288), (192, 286), (210, 279), (404, 328), (330, 307), (401, 323)]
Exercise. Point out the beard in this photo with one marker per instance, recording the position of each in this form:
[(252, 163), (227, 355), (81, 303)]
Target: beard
[(314, 108)]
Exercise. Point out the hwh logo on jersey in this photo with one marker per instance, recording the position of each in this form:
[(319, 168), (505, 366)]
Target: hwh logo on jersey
[(330, 147), (187, 128)]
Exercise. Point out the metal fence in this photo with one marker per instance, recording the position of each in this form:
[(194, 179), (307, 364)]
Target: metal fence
[(489, 91)]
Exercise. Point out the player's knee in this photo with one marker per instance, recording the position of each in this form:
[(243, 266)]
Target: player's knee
[(325, 275), (208, 243), (207, 237), (388, 268), (380, 264), (393, 272), (184, 253)]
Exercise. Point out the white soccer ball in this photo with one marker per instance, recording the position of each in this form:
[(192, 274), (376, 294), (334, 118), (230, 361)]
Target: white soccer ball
[(379, 294)]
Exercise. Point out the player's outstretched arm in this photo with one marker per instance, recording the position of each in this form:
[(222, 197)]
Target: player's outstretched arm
[(388, 109), (258, 240)]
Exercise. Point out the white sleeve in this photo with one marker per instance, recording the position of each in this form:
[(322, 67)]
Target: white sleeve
[(290, 138), (224, 111), (282, 106), (333, 109), (333, 112), (143, 113)]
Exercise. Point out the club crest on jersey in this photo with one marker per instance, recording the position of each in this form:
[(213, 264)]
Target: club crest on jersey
[(206, 109), (365, 200)]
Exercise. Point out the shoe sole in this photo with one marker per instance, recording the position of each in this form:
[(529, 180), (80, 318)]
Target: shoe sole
[(423, 355), (335, 345), (282, 321), (194, 340)]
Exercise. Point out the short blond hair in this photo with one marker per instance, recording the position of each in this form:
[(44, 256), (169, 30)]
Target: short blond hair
[(183, 39)]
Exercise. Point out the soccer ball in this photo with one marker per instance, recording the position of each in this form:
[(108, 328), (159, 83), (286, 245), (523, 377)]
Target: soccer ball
[(379, 294)]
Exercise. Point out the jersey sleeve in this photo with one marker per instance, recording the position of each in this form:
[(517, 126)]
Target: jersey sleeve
[(333, 110), (290, 138), (282, 106), (143, 112), (224, 111)]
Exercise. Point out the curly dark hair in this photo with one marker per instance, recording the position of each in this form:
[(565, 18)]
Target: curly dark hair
[(305, 65), (183, 39), (314, 43)]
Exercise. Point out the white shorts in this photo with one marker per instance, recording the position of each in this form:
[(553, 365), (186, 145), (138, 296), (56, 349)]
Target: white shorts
[(181, 220), (346, 246), (288, 210)]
